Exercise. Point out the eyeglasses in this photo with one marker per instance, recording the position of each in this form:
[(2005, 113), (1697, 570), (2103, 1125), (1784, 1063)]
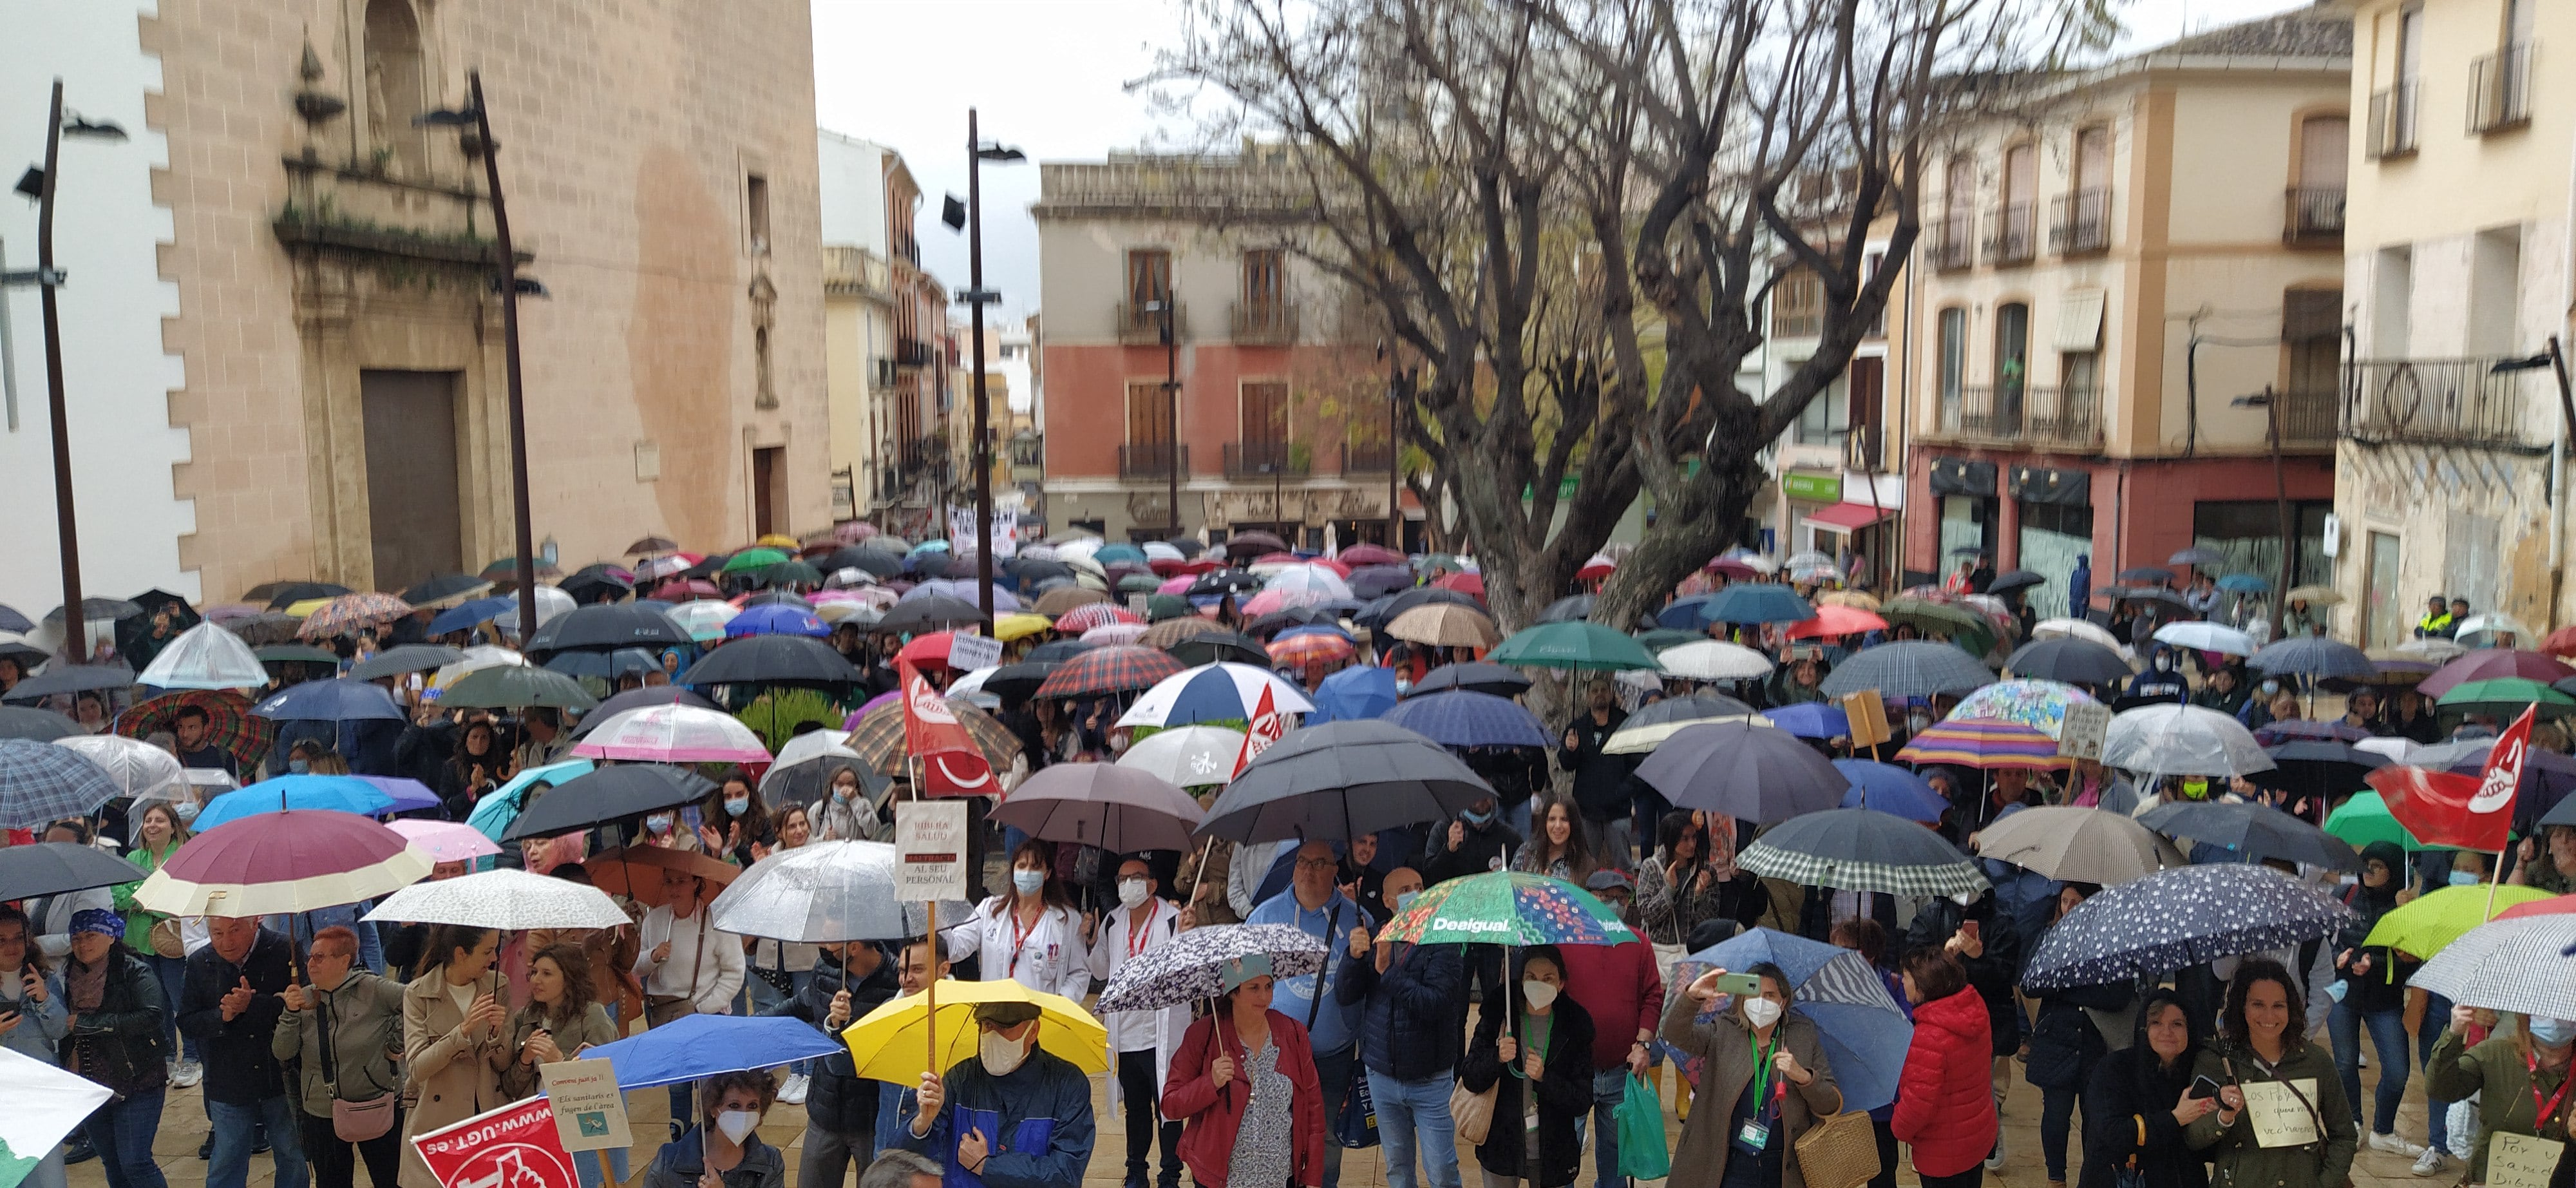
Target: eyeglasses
[(1317, 863)]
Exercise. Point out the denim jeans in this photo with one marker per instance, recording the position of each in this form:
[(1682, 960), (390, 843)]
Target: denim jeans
[(121, 1132), (1334, 1070), (230, 1164), (2056, 1116), (2388, 1036), (1411, 1115), (2437, 1016), (1609, 1088), (173, 972)]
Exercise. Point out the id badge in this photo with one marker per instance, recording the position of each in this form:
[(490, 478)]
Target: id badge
[(1753, 1135)]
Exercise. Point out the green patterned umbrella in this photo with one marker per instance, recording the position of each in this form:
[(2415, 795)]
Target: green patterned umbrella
[(1507, 907)]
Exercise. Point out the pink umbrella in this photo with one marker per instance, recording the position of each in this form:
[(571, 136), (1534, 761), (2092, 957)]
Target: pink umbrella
[(880, 699), (1178, 585), (1094, 614), (674, 734), (445, 841), (282, 863), (1267, 601)]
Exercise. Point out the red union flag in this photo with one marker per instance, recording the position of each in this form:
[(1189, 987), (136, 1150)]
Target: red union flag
[(951, 765), (515, 1146), (2465, 812), (1268, 726)]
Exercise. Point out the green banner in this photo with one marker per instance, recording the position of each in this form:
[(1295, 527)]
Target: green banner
[(1814, 488)]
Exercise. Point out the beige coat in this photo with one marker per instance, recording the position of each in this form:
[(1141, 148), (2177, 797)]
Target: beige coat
[(519, 1077), (453, 1076), (1699, 1160)]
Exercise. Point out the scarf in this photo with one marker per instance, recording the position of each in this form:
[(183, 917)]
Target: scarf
[(85, 985), (1721, 847)]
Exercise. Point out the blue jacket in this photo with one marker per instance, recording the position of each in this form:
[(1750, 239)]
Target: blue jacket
[(1415, 1011), (1037, 1122), (1331, 1031)]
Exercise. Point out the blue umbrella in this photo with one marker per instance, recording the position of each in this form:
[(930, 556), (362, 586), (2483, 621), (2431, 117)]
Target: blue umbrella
[(407, 794), (500, 806), (1865, 1033), (1460, 718), (1756, 602), (2243, 583), (693, 1047), (339, 700), (41, 783), (1314, 629), (1811, 719), (467, 615), (1683, 614), (1890, 789), (1352, 694), (1112, 554), (2172, 919), (776, 619), (335, 793)]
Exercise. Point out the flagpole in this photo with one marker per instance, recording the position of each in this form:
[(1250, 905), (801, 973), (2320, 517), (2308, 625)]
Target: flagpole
[(930, 943)]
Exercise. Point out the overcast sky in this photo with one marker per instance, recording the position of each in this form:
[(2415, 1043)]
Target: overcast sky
[(1050, 78)]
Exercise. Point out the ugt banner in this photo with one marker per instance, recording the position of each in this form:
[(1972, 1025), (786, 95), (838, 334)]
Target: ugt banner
[(512, 1147)]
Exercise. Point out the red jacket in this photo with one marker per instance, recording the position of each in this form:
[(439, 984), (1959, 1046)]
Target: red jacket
[(1945, 1098), (1619, 986), (1213, 1114)]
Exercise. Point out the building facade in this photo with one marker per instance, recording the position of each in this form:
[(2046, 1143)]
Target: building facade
[(331, 397), (886, 363), (2452, 453), (2122, 315), (1838, 478)]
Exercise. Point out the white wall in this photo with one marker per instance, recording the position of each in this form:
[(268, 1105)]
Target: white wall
[(106, 230), (853, 192)]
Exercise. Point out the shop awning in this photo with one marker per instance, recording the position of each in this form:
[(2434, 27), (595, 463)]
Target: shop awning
[(1847, 517)]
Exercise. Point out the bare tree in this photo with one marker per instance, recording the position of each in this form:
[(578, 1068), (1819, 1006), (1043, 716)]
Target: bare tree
[(1571, 212)]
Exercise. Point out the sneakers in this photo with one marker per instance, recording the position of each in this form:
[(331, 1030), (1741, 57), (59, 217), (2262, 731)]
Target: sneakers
[(793, 1092), (2394, 1145), (2431, 1162), (1995, 1158), (186, 1074)]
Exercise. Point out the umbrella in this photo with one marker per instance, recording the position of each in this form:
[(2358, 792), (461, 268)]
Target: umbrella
[(73, 678), (2078, 629), (2554, 905), (612, 793), (40, 1104), (2481, 631), (1577, 645), (1714, 660), (1443, 625), (507, 569), (775, 619), (1752, 772), (12, 621), (2319, 769), (877, 735), (605, 667), (806, 764), (1214, 693), (2073, 661), (350, 613), (636, 871), (15, 647), (1218, 646), (1253, 544), (608, 626), (1065, 599), (455, 841), (1189, 756), (1360, 691), (1810, 719), (41, 783), (2365, 818), (1908, 668), (925, 614), (552, 604), (1890, 789), (1169, 633), (1019, 681), (1833, 622), (1566, 610), (515, 686), (1192, 966), (499, 808), (2435, 919), (894, 1042), (750, 560), (1857, 849), (39, 725), (465, 616), (2197, 555), (1119, 809), (1020, 626), (2147, 574), (280, 864), (98, 610), (2503, 696), (2521, 965), (1865, 1034), (409, 658), (591, 583), (204, 657), (2014, 579), (2151, 926), (704, 621), (1756, 602), (301, 654), (1340, 780), (2077, 845), (695, 1047), (1370, 554), (2254, 831), (230, 726), (1300, 651), (2181, 740), (1476, 676), (320, 793), (2201, 636), (1960, 623), (1507, 907), (1982, 743), (2313, 656), (1120, 668), (775, 660), (2040, 705), (1647, 728), (602, 713), (674, 734), (822, 892), (52, 868), (1461, 718), (1379, 614), (281, 594)]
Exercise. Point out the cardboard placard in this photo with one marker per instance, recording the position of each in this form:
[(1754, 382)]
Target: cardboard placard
[(2280, 1118), (930, 850), (514, 1146), (966, 653), (1136, 603), (1867, 712), (2521, 1161), (2080, 736), (590, 1114)]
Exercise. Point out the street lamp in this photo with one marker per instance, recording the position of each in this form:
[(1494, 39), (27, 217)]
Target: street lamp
[(1168, 306), (477, 118), (2270, 402), (38, 183), (976, 297)]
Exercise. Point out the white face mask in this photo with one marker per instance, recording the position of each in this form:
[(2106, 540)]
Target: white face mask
[(1002, 1056), (1538, 994), (736, 1123), (1761, 1012), (1133, 892)]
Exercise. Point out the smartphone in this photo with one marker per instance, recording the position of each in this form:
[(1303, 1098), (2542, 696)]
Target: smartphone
[(2202, 1088), (1971, 927), (1740, 985)]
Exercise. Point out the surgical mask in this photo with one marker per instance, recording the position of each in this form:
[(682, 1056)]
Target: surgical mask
[(299, 766), (1538, 994), (2462, 878), (1761, 1012), (187, 810), (1918, 723), (1402, 686), (2164, 664), (1117, 744), (2338, 989), (1131, 892), (658, 823), (1476, 819), (2271, 687), (1404, 899), (1028, 882), (841, 792), (736, 1123), (1002, 1056), (2551, 1033), (736, 808)]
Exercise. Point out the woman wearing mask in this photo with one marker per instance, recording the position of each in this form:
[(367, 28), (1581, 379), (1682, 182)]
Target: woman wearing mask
[(115, 1007), (32, 1019), (2064, 1044), (160, 834), (736, 825), (475, 769), (346, 1029), (1243, 1083), (1537, 1060), (1030, 935), (728, 1153), (845, 813), (1768, 1063), (2263, 1040), (1560, 848), (1945, 1101), (2520, 1079), (662, 829), (2139, 1100), (2263, 706), (454, 1025), (2371, 993)]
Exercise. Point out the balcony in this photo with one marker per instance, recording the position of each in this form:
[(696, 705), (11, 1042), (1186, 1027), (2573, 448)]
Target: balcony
[(1028, 451), (1863, 449), (2392, 123), (1139, 324), (1264, 323), (1367, 457), (1268, 460), (2308, 415), (855, 272), (1149, 460), (911, 352), (2459, 402), (2013, 414), (881, 373), (2080, 223), (2315, 217), (1953, 242), (2012, 234), (2500, 90)]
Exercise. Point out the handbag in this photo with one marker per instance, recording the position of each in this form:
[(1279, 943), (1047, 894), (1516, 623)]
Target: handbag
[(1473, 1112), (1640, 1118), (166, 939), (1840, 1151), (353, 1121), (1356, 1128)]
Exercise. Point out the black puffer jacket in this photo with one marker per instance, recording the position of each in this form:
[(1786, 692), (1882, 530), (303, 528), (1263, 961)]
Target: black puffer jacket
[(119, 1044), (1993, 972), (2382, 987), (838, 1101)]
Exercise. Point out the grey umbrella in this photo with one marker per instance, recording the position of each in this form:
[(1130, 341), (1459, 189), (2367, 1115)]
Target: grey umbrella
[(2253, 830), (1908, 668), (52, 868), (1119, 809), (2314, 656), (1342, 779), (1753, 772), (2075, 844), (2066, 658), (406, 659), (35, 724)]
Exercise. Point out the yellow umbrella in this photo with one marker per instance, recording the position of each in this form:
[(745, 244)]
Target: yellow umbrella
[(305, 609), (776, 541), (1020, 626), (890, 1045)]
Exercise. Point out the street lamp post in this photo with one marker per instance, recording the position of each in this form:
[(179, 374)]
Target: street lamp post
[(2270, 402), (977, 297), (1394, 459), (1172, 402)]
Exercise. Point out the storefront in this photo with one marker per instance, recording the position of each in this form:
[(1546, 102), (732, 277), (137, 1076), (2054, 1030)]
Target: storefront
[(1803, 493), (2053, 514), (1964, 492)]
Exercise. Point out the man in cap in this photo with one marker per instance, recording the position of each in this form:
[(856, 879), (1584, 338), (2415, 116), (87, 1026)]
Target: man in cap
[(1015, 1116)]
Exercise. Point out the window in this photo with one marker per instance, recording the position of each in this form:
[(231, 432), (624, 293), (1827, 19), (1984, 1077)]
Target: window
[(765, 395), (1149, 276), (1798, 305), (755, 206), (2312, 349), (1954, 363), (2083, 219), (2012, 347), (2316, 199), (2392, 110), (1264, 281), (2392, 301), (1265, 413), (1869, 270), (2093, 159), (2248, 533), (2015, 214), (1149, 413), (2495, 291), (1826, 417)]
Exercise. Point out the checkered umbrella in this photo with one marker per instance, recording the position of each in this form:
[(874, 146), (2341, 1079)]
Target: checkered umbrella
[(41, 783), (230, 726), (1093, 614), (349, 612), (877, 736), (1858, 849), (1120, 668)]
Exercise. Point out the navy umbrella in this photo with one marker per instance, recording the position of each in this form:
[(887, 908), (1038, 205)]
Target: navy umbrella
[(1474, 676), (336, 700), (466, 616), (1751, 772), (1214, 647), (605, 627), (1378, 581), (1756, 602), (35, 724), (1342, 779), (2253, 831), (775, 660), (1908, 668), (11, 620), (1462, 718), (2069, 659), (2313, 656), (2173, 919), (1890, 789)]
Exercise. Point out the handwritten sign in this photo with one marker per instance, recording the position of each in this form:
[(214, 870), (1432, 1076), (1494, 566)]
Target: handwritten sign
[(2086, 722), (590, 1114), (2280, 1118), (966, 653), (2521, 1161), (514, 1146), (930, 850)]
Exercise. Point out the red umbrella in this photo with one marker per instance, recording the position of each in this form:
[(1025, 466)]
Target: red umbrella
[(1369, 554), (928, 651), (1833, 621), (1119, 668), (1595, 569), (1313, 647), (2561, 642), (1464, 583), (1733, 568), (2488, 664), (282, 863), (2560, 906)]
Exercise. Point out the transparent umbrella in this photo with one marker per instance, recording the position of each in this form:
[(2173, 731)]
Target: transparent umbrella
[(2182, 740), (820, 893), (205, 656)]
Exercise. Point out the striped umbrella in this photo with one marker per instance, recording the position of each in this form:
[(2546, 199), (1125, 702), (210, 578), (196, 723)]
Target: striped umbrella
[(1093, 614), (283, 863), (1858, 849), (41, 783), (877, 735), (350, 612), (230, 726), (1317, 647), (1120, 668), (1976, 742)]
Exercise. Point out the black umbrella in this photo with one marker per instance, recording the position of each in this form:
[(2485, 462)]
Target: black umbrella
[(2066, 658), (1018, 682), (608, 665), (778, 598), (707, 567), (443, 590), (2014, 579), (2162, 594), (1188, 545), (2320, 769), (52, 868), (774, 660), (601, 628), (1294, 616), (930, 614), (405, 659), (1754, 773), (11, 620), (1567, 610), (1340, 780), (2252, 830), (135, 643), (26, 654), (72, 678), (2147, 575), (637, 699), (97, 610), (1061, 650), (1475, 677), (298, 654), (611, 793), (1378, 581), (933, 564), (36, 725), (1217, 646), (876, 562), (1031, 572), (271, 627), (1225, 581), (594, 583), (280, 595)]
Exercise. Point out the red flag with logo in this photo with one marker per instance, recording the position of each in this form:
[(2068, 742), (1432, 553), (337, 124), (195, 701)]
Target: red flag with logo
[(1268, 726), (951, 764), (2461, 811)]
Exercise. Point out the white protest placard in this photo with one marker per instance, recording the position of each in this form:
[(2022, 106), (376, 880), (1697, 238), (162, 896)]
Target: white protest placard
[(2080, 737), (590, 1114), (930, 850), (966, 653), (2280, 1117), (1006, 530), (1136, 602), (2521, 1161)]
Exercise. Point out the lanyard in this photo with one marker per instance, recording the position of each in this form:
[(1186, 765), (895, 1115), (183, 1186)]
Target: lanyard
[(1761, 1070), (1020, 937), (2541, 1111), (1140, 933)]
